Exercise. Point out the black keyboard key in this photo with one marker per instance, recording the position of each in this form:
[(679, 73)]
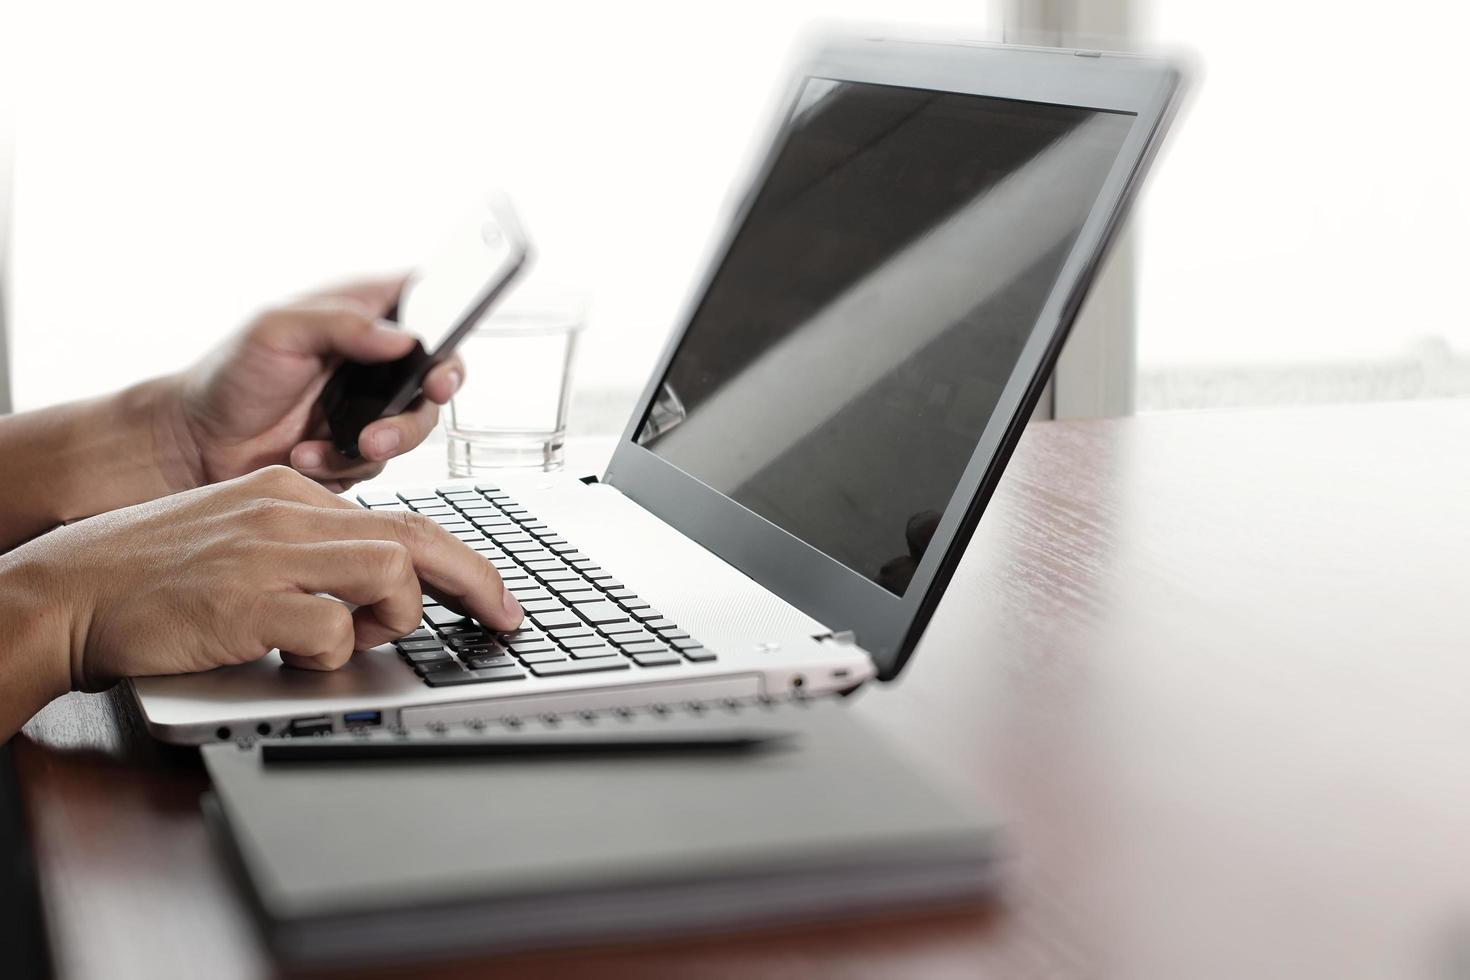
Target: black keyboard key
[(434, 656), (548, 620), (466, 641), (457, 629), (543, 657), (427, 667), (651, 647), (579, 666), (484, 661), (418, 634), (699, 656), (656, 659), (446, 679), (601, 613), (419, 646), (439, 616)]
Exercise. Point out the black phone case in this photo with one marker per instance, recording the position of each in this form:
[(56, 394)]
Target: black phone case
[(357, 395)]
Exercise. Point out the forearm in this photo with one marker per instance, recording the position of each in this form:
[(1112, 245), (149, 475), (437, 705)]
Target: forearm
[(35, 642), (72, 461)]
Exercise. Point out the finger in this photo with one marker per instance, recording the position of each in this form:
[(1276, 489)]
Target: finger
[(319, 459), (376, 576), (444, 380), (310, 631), (397, 434), (332, 328), (376, 295), (445, 565)]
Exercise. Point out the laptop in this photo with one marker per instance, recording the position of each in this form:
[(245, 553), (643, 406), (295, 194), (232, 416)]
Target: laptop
[(818, 440)]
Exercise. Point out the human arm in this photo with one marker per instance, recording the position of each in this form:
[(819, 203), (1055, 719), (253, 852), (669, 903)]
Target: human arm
[(249, 404), (221, 575)]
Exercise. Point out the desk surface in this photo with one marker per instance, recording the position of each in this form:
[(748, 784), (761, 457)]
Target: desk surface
[(1211, 670)]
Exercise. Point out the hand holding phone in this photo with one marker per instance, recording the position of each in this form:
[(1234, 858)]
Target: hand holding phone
[(441, 303)]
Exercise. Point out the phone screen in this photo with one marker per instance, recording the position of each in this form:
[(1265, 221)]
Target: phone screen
[(453, 289)]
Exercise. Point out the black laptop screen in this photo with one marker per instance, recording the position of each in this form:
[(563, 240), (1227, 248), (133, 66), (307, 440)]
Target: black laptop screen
[(854, 341)]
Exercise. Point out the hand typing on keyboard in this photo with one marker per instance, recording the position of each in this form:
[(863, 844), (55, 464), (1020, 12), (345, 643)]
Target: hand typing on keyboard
[(206, 577), (220, 575)]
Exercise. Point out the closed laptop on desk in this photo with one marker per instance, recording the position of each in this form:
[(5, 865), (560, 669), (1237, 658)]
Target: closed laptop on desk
[(349, 862)]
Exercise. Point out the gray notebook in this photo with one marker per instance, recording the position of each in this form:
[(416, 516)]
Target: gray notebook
[(353, 861)]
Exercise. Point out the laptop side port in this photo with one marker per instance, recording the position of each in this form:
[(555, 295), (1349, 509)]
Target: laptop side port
[(362, 719), (316, 725)]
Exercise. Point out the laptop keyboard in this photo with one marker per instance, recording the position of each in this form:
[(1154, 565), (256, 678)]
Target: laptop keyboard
[(579, 618)]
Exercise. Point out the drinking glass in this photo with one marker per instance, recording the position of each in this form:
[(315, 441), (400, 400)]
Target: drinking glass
[(512, 408)]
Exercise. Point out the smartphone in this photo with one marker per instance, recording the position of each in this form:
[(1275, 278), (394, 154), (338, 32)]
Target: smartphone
[(441, 303)]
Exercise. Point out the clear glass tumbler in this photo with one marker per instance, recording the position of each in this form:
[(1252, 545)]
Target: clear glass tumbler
[(512, 409)]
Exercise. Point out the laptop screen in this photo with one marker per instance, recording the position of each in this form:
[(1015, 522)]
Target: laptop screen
[(854, 342)]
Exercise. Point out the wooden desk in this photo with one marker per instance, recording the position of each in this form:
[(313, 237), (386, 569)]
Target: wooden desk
[(1211, 670)]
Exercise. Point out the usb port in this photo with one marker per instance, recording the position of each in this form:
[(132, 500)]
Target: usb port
[(318, 725), (362, 718)]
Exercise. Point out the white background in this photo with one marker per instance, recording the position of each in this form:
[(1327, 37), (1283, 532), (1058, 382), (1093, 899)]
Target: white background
[(1314, 204), (183, 163)]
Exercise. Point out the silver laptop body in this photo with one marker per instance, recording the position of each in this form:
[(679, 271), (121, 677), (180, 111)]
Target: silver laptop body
[(818, 441)]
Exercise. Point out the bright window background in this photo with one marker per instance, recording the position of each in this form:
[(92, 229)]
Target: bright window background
[(1307, 235), (181, 164)]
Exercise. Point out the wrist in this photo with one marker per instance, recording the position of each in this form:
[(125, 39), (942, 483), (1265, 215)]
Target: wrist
[(41, 654), (159, 405)]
